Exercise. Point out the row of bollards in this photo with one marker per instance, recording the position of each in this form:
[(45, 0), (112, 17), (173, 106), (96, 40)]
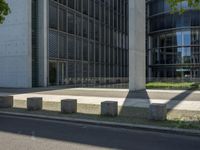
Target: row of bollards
[(108, 108)]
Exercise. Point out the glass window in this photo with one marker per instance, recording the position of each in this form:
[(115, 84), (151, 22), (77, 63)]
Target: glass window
[(62, 2), (70, 23), (91, 70), (79, 71), (85, 7), (71, 47), (97, 52), (85, 70), (102, 34), (85, 27), (85, 50), (91, 52), (71, 3), (186, 55), (78, 5), (102, 54), (71, 70), (78, 25), (97, 32), (91, 7), (91, 29), (102, 13), (62, 46), (53, 16), (97, 9), (53, 73), (187, 38), (78, 49), (62, 19)]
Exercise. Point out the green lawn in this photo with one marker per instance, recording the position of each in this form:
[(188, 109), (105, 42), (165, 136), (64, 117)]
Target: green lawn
[(172, 85)]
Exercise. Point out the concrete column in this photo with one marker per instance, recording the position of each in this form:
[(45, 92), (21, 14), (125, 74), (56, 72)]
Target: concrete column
[(137, 57), (43, 41)]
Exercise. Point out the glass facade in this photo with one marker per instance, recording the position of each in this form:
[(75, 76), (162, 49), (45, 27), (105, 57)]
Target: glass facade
[(35, 61), (88, 42), (173, 42)]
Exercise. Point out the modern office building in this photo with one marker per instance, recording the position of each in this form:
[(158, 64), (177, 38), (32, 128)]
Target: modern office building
[(71, 42), (88, 42), (173, 42)]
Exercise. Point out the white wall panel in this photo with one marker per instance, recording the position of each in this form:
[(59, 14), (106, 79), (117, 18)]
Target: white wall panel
[(15, 46)]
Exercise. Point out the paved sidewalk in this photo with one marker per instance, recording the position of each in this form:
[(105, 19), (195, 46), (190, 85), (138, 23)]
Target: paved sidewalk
[(178, 100), (117, 93)]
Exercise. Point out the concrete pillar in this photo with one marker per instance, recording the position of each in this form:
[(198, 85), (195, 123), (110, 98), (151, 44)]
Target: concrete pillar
[(43, 41), (6, 101), (69, 106), (34, 103), (109, 108), (137, 57)]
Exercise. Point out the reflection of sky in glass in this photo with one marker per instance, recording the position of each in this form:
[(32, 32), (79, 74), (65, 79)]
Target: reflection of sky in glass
[(183, 38), (187, 38), (186, 51), (183, 4), (179, 38)]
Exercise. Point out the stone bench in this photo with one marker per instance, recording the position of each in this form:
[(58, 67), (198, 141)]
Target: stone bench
[(34, 103), (6, 101), (158, 112), (69, 106), (109, 108)]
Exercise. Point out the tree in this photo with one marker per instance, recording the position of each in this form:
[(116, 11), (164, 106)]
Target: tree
[(4, 10), (191, 3)]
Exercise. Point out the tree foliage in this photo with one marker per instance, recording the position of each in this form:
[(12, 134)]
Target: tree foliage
[(191, 3), (4, 10)]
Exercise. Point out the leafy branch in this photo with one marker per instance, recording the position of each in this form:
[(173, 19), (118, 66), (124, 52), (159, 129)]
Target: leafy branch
[(4, 10)]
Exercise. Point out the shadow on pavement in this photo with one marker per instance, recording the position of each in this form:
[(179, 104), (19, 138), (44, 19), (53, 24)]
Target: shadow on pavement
[(143, 95), (175, 101)]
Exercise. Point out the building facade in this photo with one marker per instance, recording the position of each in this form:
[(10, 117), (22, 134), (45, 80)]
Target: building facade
[(88, 42), (72, 42), (173, 42)]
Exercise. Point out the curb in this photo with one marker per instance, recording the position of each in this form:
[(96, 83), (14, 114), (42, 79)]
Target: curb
[(187, 132)]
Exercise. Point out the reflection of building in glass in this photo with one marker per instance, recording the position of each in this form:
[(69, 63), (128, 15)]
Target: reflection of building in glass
[(88, 41), (173, 43)]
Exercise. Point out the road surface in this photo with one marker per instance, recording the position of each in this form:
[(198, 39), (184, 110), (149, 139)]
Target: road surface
[(18, 133)]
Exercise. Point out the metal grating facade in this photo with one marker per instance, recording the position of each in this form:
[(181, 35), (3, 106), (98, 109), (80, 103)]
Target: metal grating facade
[(88, 42)]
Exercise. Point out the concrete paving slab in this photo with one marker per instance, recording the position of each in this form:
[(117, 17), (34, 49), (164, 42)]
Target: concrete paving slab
[(130, 102)]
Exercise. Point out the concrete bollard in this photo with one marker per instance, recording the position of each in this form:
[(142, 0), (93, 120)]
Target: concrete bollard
[(34, 103), (158, 112), (6, 101), (69, 106), (109, 108)]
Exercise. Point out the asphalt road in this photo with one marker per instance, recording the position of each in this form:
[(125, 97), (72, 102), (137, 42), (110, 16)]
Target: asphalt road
[(35, 134)]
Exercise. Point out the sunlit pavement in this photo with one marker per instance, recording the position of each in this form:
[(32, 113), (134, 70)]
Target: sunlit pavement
[(35, 134), (179, 100)]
